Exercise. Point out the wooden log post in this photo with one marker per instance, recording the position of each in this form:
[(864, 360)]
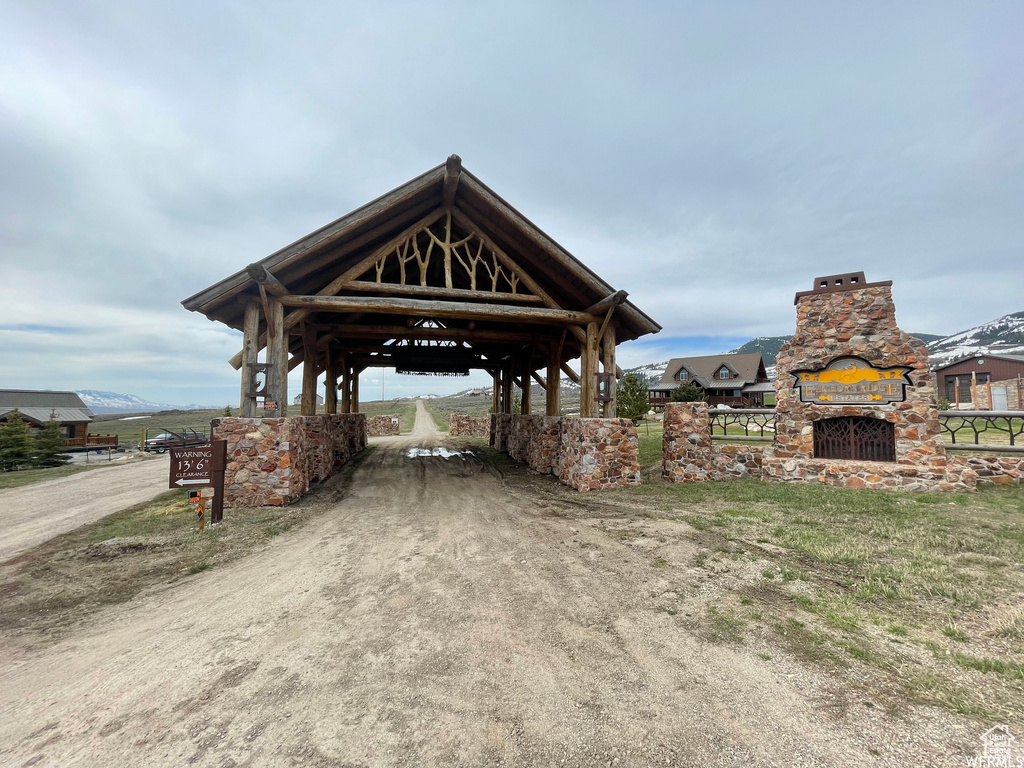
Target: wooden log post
[(588, 373), (356, 370), (608, 342), (250, 356), (526, 405), (496, 391), (277, 359), (553, 391), (308, 371), (346, 385), (506, 388), (331, 381)]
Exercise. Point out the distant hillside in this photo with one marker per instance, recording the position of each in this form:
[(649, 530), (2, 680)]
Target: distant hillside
[(1003, 335), (99, 401), (768, 346)]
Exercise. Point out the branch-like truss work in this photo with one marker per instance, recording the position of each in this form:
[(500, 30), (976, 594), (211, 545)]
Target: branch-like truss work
[(470, 253)]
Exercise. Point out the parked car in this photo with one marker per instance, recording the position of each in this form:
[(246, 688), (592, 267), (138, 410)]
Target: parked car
[(159, 443)]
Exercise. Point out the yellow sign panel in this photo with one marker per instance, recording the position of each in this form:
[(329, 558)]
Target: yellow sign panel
[(853, 381)]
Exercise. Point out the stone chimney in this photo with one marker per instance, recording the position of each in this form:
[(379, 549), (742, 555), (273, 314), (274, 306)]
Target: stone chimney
[(855, 402)]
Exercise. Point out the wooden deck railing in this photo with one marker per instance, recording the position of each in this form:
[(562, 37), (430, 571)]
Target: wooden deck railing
[(91, 441)]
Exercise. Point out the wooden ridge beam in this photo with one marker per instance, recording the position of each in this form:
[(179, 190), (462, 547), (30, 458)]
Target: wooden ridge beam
[(425, 308), (452, 172)]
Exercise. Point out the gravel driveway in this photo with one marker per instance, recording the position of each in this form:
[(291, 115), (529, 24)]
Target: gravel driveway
[(34, 513)]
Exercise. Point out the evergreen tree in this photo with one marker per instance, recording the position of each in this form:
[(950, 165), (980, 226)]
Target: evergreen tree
[(631, 397), (49, 445), (16, 443), (688, 392), (226, 411)]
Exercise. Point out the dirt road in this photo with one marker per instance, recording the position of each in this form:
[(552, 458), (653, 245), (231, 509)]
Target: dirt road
[(431, 617), (34, 513)]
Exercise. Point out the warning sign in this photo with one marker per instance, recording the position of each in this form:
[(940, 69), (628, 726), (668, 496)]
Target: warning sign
[(191, 467)]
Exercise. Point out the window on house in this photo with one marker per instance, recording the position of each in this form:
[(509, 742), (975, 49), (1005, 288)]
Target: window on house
[(684, 375), (723, 373)]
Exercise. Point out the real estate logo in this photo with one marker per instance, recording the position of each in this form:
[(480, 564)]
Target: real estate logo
[(997, 750), (852, 381)]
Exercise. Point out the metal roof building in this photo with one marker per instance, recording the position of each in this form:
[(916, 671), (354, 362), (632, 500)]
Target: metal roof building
[(36, 406)]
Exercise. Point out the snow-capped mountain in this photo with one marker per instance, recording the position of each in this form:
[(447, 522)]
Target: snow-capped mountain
[(98, 401), (1004, 335)]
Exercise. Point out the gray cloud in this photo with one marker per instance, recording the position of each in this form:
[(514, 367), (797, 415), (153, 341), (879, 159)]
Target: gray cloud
[(709, 159)]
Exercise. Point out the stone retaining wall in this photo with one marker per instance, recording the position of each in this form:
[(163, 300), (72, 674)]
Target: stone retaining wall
[(586, 454), (521, 436), (460, 425), (991, 469), (271, 462), (544, 452), (501, 431), (381, 426), (690, 455), (598, 453)]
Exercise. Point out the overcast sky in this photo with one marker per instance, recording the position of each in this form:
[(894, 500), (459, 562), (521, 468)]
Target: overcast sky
[(710, 158)]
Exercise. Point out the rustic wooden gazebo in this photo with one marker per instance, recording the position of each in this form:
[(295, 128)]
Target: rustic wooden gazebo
[(439, 276)]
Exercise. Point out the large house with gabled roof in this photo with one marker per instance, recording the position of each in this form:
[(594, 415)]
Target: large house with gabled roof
[(736, 380)]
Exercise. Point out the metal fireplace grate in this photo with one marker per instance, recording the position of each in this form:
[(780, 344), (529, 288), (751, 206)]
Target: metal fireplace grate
[(858, 438)]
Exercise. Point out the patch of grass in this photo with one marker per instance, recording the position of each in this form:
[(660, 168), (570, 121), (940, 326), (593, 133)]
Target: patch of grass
[(899, 562), (659, 563), (1011, 669), (954, 633), (764, 656), (199, 568), (724, 626)]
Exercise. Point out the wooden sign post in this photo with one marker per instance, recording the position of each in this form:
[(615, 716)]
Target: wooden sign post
[(202, 466)]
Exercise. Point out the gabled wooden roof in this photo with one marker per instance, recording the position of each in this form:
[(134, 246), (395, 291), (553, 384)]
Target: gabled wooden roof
[(445, 196)]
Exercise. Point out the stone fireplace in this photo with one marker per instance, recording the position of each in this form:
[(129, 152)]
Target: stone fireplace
[(855, 404)]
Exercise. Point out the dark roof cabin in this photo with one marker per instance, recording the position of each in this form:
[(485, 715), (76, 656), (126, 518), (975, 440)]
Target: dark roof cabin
[(439, 276)]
